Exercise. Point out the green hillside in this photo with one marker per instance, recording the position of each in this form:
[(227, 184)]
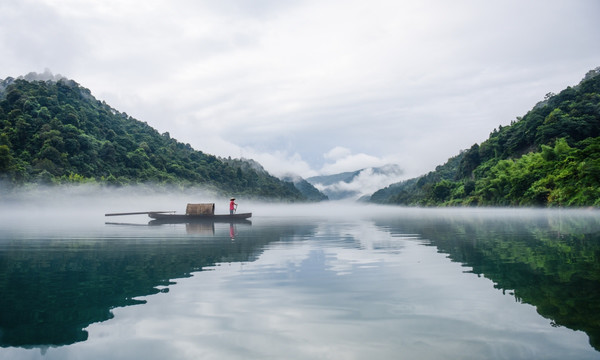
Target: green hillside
[(307, 189), (56, 132), (549, 157)]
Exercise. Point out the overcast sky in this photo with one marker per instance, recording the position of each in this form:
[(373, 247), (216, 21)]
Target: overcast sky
[(311, 87)]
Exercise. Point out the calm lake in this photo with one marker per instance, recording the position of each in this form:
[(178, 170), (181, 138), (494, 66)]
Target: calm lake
[(325, 281)]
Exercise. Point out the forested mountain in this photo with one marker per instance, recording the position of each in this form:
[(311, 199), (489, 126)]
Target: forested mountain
[(549, 157), (306, 188), (56, 132)]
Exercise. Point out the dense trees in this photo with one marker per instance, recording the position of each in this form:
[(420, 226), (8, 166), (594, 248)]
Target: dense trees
[(57, 132), (550, 157)]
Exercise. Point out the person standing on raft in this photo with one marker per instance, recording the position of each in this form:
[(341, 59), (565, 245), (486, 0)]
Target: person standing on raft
[(232, 206)]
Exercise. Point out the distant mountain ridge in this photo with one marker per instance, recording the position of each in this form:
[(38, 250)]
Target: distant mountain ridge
[(53, 131), (356, 184), (549, 157), (310, 192), (325, 180)]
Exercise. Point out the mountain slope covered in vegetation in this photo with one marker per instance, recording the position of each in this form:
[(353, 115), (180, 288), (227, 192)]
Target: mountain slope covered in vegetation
[(56, 132), (549, 157)]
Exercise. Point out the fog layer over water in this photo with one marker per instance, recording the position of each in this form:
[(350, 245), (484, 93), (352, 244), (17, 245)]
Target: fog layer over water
[(301, 281), (88, 204)]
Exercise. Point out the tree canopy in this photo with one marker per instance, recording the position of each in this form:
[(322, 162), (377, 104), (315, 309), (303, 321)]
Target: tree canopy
[(549, 157), (56, 132)]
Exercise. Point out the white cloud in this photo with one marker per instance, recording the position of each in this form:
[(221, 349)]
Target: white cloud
[(413, 82), (350, 162), (282, 163), (337, 153)]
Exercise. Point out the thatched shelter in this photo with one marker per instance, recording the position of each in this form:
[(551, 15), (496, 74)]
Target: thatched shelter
[(200, 209)]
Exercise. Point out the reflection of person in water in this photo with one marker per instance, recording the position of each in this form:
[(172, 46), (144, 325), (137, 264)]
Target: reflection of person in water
[(231, 231), (232, 206)]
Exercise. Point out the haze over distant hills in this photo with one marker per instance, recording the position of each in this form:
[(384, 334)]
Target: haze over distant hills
[(356, 184)]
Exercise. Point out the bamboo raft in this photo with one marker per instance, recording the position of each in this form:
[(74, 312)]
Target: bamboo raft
[(193, 213)]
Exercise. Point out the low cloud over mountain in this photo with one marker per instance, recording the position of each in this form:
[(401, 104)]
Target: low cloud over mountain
[(356, 184)]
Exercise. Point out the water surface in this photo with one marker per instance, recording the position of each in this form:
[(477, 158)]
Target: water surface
[(371, 283)]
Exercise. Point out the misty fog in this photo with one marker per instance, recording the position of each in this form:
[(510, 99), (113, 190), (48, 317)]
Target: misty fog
[(84, 206)]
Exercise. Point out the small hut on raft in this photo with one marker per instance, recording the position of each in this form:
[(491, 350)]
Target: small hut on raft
[(200, 209)]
